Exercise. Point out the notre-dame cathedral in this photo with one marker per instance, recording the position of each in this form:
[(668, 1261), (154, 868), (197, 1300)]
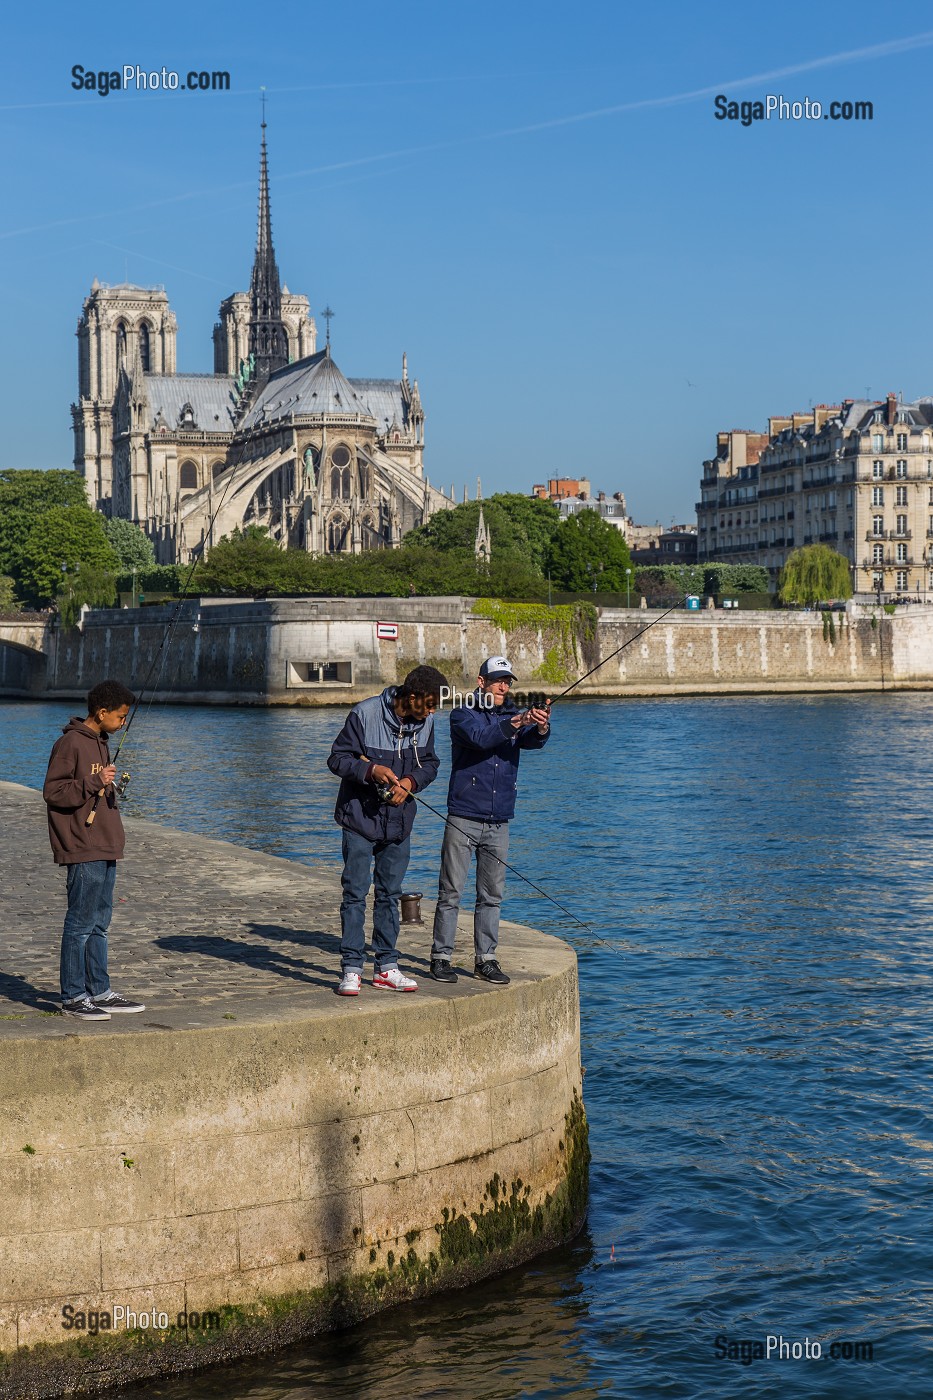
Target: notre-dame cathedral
[(276, 436)]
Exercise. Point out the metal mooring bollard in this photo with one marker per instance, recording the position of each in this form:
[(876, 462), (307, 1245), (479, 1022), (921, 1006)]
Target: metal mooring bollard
[(411, 908)]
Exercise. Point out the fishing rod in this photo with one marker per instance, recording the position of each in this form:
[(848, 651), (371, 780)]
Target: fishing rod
[(385, 791), (653, 623)]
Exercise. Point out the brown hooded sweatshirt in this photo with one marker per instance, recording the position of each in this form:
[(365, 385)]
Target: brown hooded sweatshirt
[(71, 785)]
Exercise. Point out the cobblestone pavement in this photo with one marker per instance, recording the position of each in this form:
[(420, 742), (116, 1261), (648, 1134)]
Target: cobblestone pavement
[(201, 930)]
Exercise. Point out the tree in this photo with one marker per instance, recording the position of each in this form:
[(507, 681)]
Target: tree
[(246, 562), (519, 526), (537, 520), (8, 601), (815, 574), (61, 540), (26, 495), (89, 585), (132, 546), (586, 549)]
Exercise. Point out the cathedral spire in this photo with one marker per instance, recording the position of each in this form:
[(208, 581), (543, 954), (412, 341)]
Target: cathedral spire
[(268, 338)]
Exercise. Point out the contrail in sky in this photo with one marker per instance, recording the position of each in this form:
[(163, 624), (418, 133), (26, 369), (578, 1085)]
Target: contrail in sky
[(888, 49)]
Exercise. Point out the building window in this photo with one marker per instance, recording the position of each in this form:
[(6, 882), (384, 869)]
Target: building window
[(877, 442), (877, 495), (901, 468), (340, 456), (901, 442), (901, 496), (877, 554), (188, 477), (877, 581), (144, 346), (901, 525), (902, 554), (900, 580), (877, 470), (877, 524)]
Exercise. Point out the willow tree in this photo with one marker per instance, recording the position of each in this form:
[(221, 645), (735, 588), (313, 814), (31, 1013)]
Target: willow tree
[(815, 574)]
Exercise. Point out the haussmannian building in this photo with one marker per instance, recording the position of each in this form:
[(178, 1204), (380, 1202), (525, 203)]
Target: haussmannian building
[(277, 436), (857, 476)]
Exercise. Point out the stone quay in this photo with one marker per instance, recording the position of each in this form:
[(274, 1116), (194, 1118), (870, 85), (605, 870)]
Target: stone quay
[(254, 1159), (335, 651)]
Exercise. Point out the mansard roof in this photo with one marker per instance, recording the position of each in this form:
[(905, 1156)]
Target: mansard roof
[(209, 395), (310, 386)]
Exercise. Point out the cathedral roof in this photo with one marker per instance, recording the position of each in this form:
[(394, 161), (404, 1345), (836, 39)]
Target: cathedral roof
[(384, 399), (209, 395), (309, 386)]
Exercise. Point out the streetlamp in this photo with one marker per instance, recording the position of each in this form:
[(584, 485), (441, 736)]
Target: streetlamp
[(628, 588)]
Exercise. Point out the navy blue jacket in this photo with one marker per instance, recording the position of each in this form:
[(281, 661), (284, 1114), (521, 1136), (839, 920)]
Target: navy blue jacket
[(406, 746), (484, 761)]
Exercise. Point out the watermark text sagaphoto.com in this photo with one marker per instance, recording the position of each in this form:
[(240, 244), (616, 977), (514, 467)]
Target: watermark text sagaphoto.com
[(745, 1350), (133, 77), (777, 108), (123, 1319)]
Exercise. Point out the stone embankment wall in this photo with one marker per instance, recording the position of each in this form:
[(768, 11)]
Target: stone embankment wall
[(331, 651), (310, 1169)]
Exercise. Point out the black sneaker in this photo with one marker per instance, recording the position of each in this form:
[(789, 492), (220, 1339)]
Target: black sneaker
[(110, 1001), (84, 1010), (490, 971), (442, 971)]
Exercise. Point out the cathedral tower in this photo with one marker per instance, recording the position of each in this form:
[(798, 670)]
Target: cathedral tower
[(116, 324)]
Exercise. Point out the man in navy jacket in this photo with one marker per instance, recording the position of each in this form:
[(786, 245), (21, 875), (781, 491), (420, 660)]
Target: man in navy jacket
[(383, 753), (487, 742)]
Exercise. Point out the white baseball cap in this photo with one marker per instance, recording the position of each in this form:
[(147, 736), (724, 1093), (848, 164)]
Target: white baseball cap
[(497, 668)]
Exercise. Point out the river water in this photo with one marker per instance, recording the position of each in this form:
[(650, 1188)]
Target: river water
[(756, 1034)]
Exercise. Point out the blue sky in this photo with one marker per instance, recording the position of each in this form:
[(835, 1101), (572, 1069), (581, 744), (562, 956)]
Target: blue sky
[(590, 273)]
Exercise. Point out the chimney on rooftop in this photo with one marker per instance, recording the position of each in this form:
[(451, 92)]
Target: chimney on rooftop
[(891, 409)]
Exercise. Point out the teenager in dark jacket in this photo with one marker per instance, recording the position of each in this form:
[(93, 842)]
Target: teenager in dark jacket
[(86, 834), (487, 742), (383, 753)]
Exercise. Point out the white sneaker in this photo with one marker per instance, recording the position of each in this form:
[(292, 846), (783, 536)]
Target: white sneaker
[(394, 980), (350, 983)]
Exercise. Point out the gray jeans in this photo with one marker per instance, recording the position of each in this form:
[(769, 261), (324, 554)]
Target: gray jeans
[(461, 838)]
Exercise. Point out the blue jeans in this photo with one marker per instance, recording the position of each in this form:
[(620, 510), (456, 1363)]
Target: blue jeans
[(84, 937), (490, 842), (382, 864)]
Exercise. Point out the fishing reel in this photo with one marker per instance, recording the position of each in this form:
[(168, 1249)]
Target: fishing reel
[(386, 792), (121, 786)]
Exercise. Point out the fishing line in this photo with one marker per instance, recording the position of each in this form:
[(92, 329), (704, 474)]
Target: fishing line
[(537, 888), (385, 790)]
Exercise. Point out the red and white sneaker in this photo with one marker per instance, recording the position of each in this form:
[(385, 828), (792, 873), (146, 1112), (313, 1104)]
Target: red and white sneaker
[(394, 980), (350, 983)]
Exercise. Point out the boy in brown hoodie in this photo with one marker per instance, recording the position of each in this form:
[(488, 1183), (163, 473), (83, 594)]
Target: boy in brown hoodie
[(87, 838)]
